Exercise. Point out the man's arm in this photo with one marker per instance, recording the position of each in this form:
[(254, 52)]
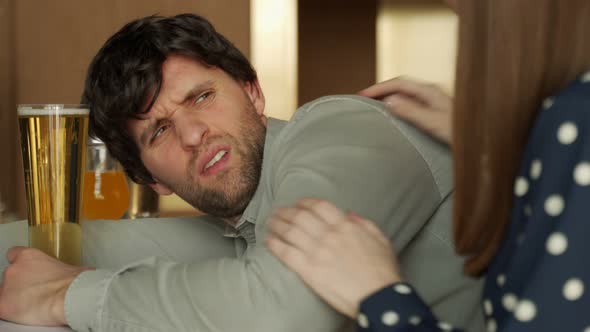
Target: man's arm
[(344, 152), (351, 152)]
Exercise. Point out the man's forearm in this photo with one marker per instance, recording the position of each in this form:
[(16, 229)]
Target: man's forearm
[(255, 293)]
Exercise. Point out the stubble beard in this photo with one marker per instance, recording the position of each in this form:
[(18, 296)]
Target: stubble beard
[(238, 184)]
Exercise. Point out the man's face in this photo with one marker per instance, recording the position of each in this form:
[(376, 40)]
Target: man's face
[(203, 138)]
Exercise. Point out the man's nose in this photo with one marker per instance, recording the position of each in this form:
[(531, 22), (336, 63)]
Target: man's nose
[(190, 130)]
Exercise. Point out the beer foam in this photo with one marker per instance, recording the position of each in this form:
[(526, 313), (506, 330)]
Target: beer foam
[(51, 110)]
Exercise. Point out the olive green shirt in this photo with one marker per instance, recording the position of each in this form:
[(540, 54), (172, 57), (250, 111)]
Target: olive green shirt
[(345, 149)]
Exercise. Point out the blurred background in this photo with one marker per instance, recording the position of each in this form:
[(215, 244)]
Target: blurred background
[(302, 49)]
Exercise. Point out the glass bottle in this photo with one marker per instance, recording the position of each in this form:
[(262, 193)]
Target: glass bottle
[(106, 192)]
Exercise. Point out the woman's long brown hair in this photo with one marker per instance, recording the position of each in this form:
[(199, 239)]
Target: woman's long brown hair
[(512, 55)]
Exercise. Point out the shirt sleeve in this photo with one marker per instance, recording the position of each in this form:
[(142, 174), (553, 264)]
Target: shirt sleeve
[(345, 153), (397, 308)]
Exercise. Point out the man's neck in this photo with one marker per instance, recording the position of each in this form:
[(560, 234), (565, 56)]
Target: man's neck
[(232, 221)]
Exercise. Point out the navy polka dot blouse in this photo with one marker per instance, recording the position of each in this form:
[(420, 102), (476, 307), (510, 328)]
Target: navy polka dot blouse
[(540, 278)]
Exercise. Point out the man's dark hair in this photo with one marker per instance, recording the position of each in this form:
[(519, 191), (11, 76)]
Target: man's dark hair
[(126, 76)]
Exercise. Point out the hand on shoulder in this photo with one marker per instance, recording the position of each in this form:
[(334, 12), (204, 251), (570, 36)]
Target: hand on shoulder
[(424, 105), (342, 257)]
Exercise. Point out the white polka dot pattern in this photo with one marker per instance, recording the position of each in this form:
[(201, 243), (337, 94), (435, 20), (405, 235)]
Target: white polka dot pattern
[(573, 289), (445, 326), (488, 308), (525, 311), (521, 186), (554, 205), (389, 318), (582, 174), (509, 301), (501, 280), (556, 244), (402, 289), (547, 103), (536, 169), (492, 326), (415, 320), (363, 321), (567, 133)]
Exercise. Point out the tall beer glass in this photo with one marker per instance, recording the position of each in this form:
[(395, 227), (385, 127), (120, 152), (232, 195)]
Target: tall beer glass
[(53, 141)]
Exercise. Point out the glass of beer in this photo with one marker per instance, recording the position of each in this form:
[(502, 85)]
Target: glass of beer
[(53, 141), (106, 193)]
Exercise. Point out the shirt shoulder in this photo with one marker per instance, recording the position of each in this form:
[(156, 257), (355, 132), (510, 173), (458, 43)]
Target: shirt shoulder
[(350, 121)]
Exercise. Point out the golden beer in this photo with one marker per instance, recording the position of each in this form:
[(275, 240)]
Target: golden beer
[(53, 141)]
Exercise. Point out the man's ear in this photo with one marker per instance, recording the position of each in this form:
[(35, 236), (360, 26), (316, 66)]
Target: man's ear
[(256, 96), (161, 189)]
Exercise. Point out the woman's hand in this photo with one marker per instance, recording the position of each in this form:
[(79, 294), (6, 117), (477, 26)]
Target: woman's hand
[(425, 106), (343, 258)]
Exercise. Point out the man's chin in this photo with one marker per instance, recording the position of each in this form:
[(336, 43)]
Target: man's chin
[(216, 203), (222, 212)]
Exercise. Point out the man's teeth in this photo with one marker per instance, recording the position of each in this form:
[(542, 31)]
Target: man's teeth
[(215, 159)]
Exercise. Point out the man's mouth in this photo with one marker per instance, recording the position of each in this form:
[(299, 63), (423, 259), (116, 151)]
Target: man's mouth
[(215, 159)]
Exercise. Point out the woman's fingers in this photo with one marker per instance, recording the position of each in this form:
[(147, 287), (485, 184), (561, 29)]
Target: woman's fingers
[(350, 261), (423, 105), (324, 210), (370, 227), (291, 256), (291, 233), (382, 89), (423, 92), (408, 109), (304, 219)]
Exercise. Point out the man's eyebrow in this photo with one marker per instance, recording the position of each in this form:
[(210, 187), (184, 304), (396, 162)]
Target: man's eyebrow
[(192, 93), (196, 90)]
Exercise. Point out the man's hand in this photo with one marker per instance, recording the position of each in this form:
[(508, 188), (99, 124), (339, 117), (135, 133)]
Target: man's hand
[(34, 286)]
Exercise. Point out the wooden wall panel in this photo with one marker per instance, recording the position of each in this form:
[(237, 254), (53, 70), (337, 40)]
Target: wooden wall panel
[(57, 39), (336, 47), (7, 110)]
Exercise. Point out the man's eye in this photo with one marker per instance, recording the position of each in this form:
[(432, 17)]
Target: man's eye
[(160, 130), (202, 97)]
